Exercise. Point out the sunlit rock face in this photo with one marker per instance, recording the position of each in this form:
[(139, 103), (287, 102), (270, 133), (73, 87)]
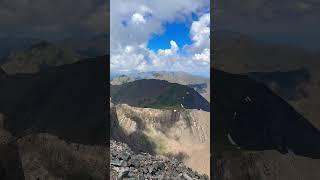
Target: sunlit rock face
[(181, 133)]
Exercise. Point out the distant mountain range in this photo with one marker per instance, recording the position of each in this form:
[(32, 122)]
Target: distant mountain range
[(86, 46), (37, 57), (174, 77), (29, 55), (12, 44)]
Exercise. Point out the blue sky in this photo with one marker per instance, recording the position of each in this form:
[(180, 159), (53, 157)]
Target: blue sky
[(167, 35), (177, 31)]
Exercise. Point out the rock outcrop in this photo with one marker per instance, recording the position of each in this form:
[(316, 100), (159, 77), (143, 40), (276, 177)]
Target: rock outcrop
[(125, 164)]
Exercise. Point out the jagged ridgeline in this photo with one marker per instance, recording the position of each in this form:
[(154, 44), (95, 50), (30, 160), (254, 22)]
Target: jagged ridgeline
[(38, 57), (151, 93)]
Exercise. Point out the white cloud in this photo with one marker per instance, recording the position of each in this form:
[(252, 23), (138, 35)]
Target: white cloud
[(137, 18), (134, 22), (200, 31), (167, 52), (128, 49), (200, 35), (203, 56)]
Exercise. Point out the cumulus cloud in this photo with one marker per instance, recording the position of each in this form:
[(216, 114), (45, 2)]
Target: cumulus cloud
[(203, 56), (200, 32), (167, 52), (137, 18), (134, 23)]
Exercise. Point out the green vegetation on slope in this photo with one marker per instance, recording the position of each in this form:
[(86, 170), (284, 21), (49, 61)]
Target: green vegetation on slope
[(159, 94)]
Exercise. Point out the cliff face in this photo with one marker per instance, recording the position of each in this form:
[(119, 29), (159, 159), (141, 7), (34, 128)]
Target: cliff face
[(180, 133)]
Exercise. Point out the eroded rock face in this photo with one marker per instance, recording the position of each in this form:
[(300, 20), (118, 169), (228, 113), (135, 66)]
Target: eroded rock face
[(182, 134), (125, 164)]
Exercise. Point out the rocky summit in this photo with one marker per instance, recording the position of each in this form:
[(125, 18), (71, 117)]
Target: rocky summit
[(125, 164)]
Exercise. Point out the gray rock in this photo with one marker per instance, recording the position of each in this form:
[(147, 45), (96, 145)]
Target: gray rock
[(129, 165)]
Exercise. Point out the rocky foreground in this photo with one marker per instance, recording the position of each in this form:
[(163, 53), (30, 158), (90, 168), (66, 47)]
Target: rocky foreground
[(125, 164)]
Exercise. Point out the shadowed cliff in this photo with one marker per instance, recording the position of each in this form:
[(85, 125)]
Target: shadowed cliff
[(68, 101), (258, 119)]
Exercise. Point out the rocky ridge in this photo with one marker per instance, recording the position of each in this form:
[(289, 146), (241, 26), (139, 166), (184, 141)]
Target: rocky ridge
[(125, 164)]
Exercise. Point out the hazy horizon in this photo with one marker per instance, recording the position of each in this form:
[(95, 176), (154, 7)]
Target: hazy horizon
[(113, 75)]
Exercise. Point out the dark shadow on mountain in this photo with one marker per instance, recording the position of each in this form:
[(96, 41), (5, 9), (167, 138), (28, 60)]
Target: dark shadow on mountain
[(10, 163), (12, 44), (200, 88), (158, 94), (258, 119), (68, 101), (137, 141), (288, 84)]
